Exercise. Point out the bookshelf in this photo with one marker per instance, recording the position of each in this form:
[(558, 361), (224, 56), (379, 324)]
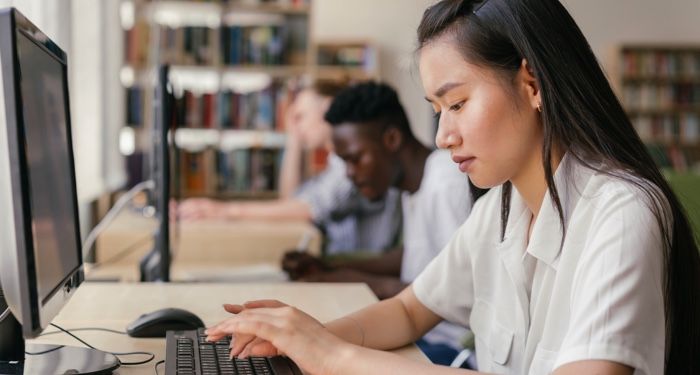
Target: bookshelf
[(352, 60), (235, 66), (660, 86)]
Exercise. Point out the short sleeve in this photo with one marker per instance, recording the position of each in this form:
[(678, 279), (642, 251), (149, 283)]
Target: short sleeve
[(617, 304), (328, 193)]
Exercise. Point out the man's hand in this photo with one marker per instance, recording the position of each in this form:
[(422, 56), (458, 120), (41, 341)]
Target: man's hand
[(301, 265)]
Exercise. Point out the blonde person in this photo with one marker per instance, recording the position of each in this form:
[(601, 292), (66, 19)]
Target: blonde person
[(580, 260), (329, 199)]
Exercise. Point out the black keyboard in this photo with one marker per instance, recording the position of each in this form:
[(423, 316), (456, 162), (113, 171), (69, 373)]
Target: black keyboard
[(188, 353)]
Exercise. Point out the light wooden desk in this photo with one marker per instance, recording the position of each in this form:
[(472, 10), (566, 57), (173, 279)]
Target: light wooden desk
[(200, 244), (114, 305)]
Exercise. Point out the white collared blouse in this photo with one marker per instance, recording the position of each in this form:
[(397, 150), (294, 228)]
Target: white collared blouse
[(536, 306)]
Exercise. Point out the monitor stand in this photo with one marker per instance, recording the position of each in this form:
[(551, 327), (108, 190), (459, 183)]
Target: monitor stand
[(66, 360)]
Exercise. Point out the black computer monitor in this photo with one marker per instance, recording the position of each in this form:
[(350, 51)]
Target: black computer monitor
[(40, 254), (155, 265)]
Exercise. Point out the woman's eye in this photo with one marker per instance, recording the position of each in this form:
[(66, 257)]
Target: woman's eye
[(456, 107), (436, 115)]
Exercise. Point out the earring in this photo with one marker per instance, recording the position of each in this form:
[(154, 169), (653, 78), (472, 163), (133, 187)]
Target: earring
[(539, 107)]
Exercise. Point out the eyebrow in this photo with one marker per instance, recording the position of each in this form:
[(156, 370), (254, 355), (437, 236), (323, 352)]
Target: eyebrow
[(445, 88)]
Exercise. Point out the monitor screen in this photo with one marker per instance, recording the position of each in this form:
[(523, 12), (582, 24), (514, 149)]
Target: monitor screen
[(51, 200)]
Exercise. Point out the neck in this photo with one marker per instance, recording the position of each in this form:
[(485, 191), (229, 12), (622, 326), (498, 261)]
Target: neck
[(531, 182), (412, 159)]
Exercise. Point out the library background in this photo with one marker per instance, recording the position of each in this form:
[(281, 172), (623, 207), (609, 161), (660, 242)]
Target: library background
[(218, 130), (235, 66)]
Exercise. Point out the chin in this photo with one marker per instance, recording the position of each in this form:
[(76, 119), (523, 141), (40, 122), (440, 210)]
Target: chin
[(484, 182)]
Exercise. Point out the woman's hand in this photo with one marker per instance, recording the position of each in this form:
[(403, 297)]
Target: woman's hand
[(288, 330), (249, 345)]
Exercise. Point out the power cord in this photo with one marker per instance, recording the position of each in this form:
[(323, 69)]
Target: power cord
[(116, 354), (158, 364), (124, 252), (5, 314), (112, 214)]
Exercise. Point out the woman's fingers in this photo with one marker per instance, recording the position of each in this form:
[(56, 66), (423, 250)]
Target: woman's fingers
[(233, 309), (240, 342), (263, 303)]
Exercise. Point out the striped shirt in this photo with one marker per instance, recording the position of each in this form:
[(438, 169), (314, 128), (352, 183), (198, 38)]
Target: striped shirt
[(351, 221)]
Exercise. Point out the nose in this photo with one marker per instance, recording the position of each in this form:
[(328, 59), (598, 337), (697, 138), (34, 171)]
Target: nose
[(447, 135)]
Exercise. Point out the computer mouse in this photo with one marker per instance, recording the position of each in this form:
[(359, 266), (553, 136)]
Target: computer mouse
[(156, 323)]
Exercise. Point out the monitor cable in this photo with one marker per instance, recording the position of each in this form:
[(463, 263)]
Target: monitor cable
[(162, 361), (116, 354), (112, 214), (5, 314)]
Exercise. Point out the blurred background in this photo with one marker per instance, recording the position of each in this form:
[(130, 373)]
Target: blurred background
[(235, 66)]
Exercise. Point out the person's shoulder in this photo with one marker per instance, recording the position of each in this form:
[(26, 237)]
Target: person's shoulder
[(607, 186)]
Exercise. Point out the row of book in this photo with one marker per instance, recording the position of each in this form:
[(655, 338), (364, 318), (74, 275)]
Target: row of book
[(675, 157), (236, 45), (260, 110), (347, 55), (669, 129), (661, 95), (259, 45), (660, 63), (216, 173)]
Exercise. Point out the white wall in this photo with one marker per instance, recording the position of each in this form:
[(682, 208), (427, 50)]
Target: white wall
[(392, 25), (79, 28)]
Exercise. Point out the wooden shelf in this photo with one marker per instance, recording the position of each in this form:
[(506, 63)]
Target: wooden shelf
[(214, 78), (660, 80), (235, 7), (240, 195), (663, 111), (195, 140), (214, 14)]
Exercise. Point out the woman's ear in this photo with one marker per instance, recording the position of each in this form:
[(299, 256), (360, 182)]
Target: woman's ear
[(392, 139), (528, 79)]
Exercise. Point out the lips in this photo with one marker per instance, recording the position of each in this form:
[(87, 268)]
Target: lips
[(463, 161)]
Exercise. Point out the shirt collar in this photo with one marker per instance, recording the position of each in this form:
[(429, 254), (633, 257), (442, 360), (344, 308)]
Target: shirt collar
[(547, 236)]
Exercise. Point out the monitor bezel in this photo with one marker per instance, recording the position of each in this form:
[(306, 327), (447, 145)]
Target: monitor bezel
[(17, 267)]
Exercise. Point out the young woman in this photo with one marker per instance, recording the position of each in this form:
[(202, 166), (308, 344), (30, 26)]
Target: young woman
[(579, 261)]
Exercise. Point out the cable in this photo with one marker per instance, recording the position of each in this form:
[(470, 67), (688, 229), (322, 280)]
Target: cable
[(86, 329), (5, 314), (123, 253), (46, 351), (158, 364), (116, 354), (112, 214)]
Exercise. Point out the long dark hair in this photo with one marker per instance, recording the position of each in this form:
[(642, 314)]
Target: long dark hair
[(581, 114)]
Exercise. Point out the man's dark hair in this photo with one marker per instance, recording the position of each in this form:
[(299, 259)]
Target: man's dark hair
[(373, 103)]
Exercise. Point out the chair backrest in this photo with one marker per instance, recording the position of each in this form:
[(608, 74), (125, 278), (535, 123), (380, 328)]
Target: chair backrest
[(687, 188)]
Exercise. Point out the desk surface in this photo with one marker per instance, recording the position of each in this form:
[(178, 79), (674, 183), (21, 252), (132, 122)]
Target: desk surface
[(224, 243), (114, 305)]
